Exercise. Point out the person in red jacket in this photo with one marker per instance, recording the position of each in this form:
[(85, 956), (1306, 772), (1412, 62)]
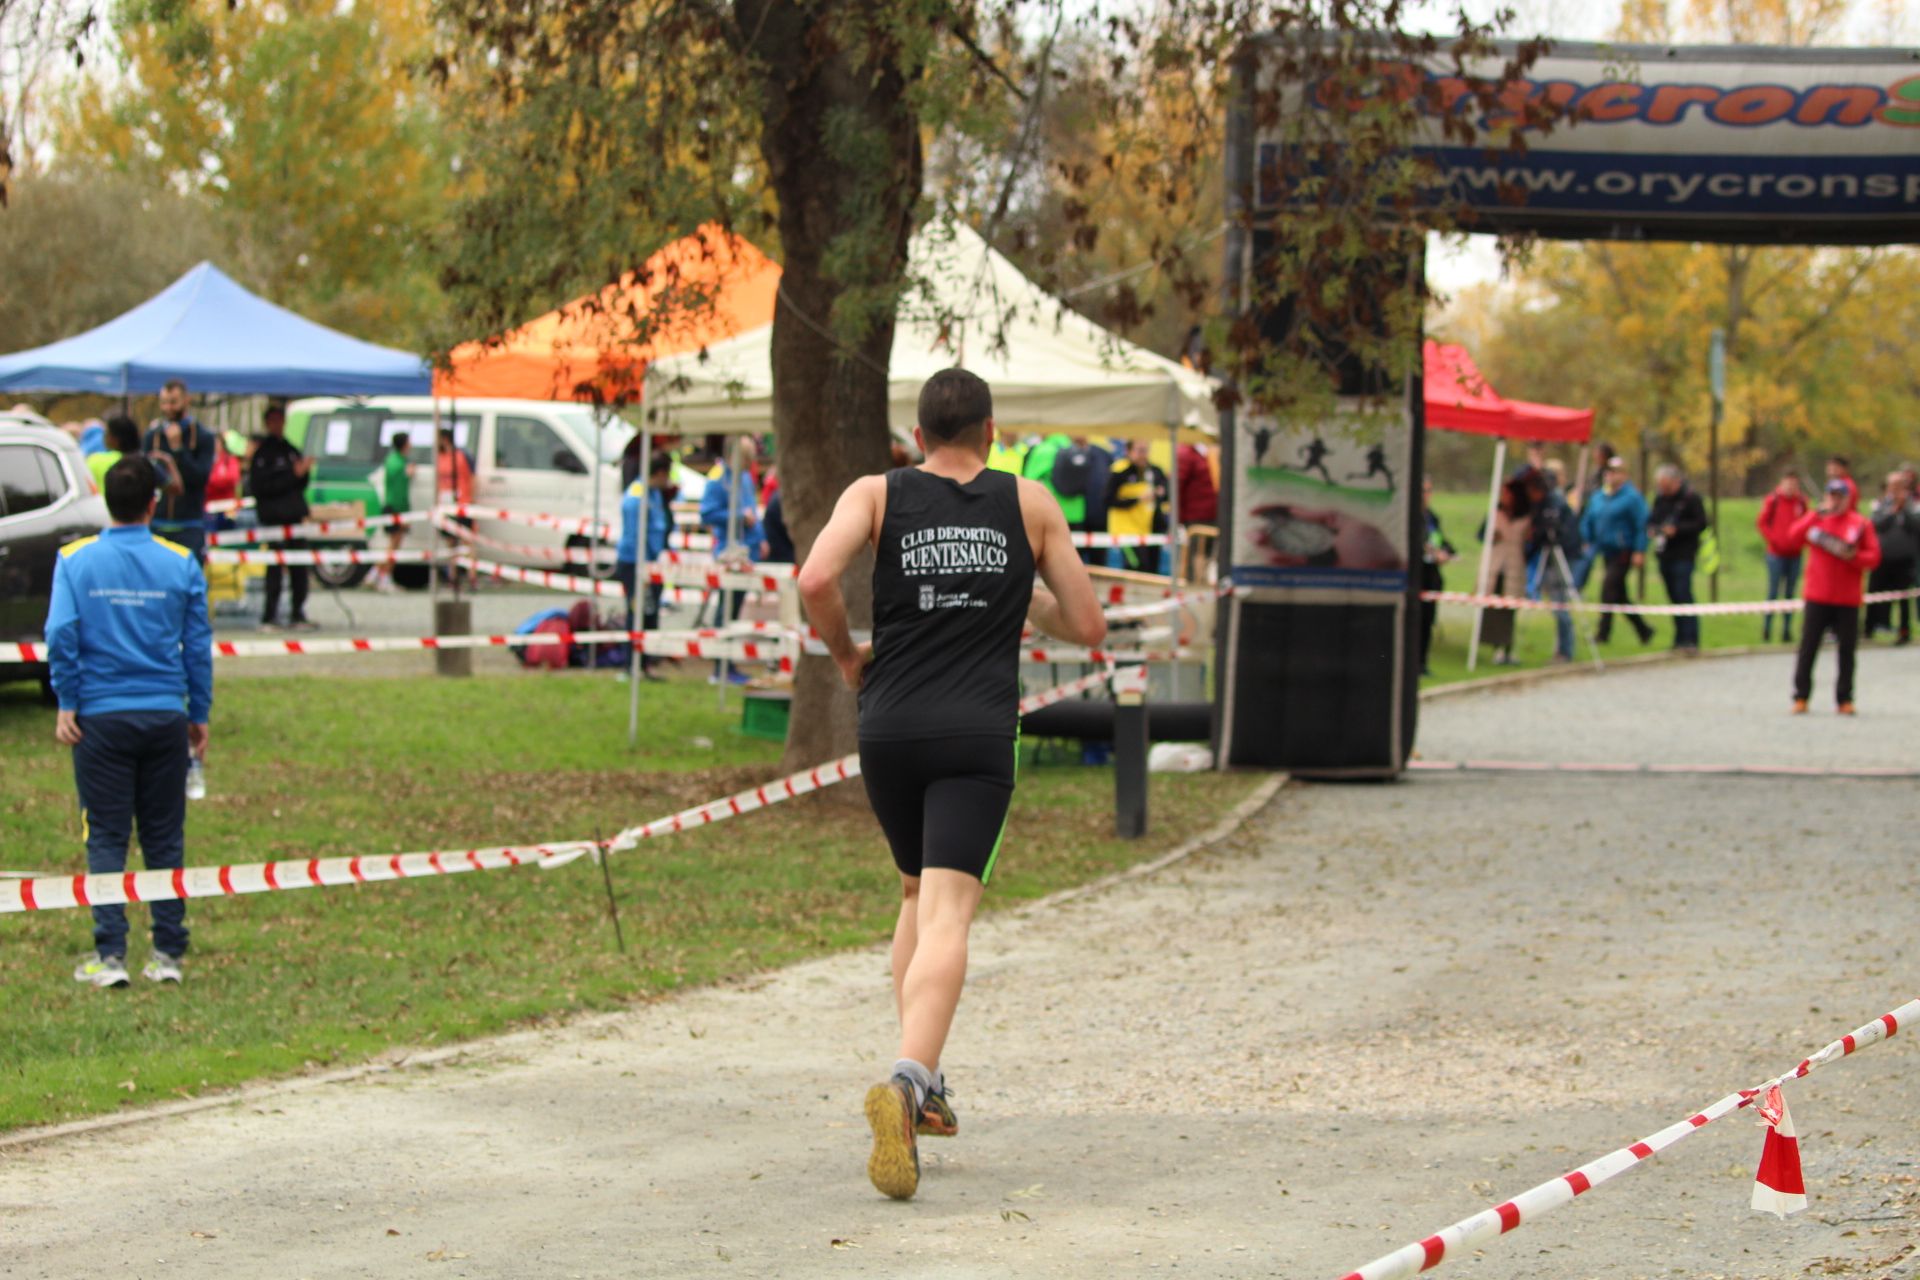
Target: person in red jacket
[(1844, 548), (1199, 497), (1778, 514)]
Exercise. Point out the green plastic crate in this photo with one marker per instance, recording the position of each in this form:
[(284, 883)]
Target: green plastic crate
[(765, 714)]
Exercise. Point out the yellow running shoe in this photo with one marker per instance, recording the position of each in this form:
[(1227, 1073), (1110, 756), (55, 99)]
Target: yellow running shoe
[(894, 1166)]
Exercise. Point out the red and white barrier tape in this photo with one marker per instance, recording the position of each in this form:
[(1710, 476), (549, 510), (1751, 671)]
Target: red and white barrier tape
[(310, 529), (738, 644), (221, 506), (267, 555), (48, 893), (1867, 773), (1412, 1259), (1658, 610), (670, 576), (548, 578), (1090, 540), (799, 784), (565, 555), (581, 525), (664, 644)]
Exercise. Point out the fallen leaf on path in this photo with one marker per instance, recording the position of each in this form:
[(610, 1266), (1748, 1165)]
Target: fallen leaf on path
[(443, 1255), (843, 1244), (205, 1235)]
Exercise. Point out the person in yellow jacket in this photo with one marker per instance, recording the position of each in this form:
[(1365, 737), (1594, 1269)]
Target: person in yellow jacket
[(1005, 454), (1137, 503)]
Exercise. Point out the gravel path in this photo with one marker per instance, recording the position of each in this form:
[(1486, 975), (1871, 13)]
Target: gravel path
[(1377, 1009)]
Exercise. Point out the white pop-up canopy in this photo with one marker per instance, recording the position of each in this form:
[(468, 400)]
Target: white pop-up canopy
[(1051, 369)]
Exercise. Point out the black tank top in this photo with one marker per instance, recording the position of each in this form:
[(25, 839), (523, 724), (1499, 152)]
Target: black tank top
[(952, 580)]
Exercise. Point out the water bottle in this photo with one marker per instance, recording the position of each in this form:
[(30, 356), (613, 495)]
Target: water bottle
[(196, 779)]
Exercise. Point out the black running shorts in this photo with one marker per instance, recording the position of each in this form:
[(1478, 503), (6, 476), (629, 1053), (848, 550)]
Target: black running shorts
[(942, 802)]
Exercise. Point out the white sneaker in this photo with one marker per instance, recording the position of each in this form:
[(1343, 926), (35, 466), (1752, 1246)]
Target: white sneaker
[(161, 967), (101, 971)]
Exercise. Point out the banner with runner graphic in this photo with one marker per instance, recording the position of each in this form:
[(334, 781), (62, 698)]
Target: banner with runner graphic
[(1322, 506)]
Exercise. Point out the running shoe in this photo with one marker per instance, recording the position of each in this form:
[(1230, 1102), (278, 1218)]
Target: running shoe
[(269, 625), (1799, 706), (894, 1166), (936, 1116), (302, 624), (162, 967), (101, 971), (1845, 709)]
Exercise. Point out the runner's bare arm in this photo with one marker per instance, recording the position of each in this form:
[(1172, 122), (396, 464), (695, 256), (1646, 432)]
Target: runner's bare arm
[(850, 529), (1066, 607)]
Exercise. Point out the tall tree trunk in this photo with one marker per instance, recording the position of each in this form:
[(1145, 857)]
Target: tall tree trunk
[(842, 146)]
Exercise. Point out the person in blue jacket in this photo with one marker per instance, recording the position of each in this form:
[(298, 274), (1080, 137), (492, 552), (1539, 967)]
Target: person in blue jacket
[(659, 491), (1614, 525), (131, 653), (730, 490)]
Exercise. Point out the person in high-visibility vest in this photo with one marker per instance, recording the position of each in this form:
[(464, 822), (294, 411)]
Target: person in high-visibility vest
[(1005, 454), (1137, 503)]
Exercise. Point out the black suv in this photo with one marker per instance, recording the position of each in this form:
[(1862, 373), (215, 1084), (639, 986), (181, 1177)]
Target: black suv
[(47, 499)]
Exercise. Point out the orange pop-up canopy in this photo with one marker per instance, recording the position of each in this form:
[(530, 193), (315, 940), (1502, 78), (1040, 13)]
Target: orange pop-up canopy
[(596, 348)]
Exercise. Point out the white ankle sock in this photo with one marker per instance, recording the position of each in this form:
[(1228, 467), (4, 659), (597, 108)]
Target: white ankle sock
[(921, 1077)]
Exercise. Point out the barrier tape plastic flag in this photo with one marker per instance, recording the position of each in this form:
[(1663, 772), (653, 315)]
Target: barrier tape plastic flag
[(1412, 1259), (1778, 1185), (49, 893)]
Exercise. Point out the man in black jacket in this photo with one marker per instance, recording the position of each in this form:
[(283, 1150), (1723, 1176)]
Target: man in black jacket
[(184, 452), (277, 475), (1674, 526)]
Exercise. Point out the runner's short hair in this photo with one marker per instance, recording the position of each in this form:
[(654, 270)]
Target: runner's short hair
[(402, 441), (131, 484), (953, 404)]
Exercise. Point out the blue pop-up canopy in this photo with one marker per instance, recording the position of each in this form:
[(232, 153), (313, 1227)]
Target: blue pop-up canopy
[(215, 336)]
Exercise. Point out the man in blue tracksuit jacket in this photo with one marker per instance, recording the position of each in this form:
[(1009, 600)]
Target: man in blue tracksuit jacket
[(1614, 525), (657, 491), (729, 494), (132, 659)]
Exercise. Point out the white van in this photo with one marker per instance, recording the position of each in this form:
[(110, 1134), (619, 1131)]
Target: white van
[(534, 456)]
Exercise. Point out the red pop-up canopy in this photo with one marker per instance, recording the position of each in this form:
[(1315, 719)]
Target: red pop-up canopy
[(1459, 399)]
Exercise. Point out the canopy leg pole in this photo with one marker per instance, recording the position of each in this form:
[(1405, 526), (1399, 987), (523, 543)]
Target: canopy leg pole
[(1486, 548)]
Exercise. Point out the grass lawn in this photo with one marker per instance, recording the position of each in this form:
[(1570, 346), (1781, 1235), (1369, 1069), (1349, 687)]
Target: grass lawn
[(1743, 576), (281, 982)]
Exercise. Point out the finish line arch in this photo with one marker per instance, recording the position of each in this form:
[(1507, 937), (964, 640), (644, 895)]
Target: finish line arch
[(1726, 144)]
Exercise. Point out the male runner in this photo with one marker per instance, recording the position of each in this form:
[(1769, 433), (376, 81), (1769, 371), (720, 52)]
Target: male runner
[(955, 547)]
